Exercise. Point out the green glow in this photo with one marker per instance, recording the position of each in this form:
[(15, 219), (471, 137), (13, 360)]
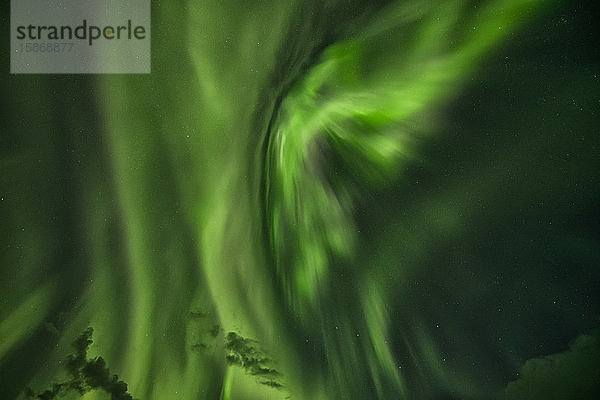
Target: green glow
[(365, 97), (22, 321), (273, 192)]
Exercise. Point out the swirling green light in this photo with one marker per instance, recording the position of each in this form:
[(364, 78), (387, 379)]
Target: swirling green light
[(221, 223)]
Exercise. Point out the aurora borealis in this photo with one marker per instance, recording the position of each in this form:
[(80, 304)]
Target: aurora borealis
[(310, 200)]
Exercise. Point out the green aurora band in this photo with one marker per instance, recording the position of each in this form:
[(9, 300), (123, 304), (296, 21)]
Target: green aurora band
[(311, 200)]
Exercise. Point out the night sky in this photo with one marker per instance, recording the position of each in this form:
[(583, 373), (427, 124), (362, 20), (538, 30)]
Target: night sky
[(310, 200)]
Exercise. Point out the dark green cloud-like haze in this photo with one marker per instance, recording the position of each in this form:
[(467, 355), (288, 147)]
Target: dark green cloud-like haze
[(310, 200)]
